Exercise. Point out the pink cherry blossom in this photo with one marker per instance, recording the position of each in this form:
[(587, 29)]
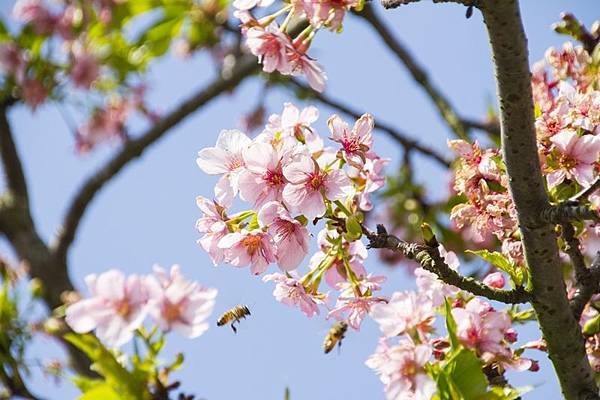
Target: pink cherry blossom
[(178, 304), (308, 184), (35, 13), (213, 225), (85, 70), (290, 236), (248, 4), (271, 46), (431, 286), (297, 123), (401, 369), (355, 142), (254, 248), (336, 274), (107, 123), (325, 12), (263, 179), (356, 308), (301, 63), (369, 178), (495, 280), (290, 291), (117, 307), (577, 157), (34, 93), (479, 327), (405, 313), (11, 60), (226, 159)]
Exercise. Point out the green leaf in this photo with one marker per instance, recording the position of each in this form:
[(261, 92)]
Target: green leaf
[(500, 261), (101, 392), (451, 326), (353, 228), (592, 326), (465, 374), (105, 363)]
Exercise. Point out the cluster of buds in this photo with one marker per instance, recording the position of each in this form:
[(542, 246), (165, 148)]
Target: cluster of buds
[(291, 179), (272, 43), (81, 66)]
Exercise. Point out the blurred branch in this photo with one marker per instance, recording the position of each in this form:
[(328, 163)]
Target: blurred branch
[(134, 148), (428, 256), (418, 73), (11, 163), (15, 384), (403, 139), (490, 127)]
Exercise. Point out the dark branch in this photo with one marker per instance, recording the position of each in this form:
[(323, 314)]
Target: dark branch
[(569, 212), (587, 279), (134, 148), (429, 258), (397, 3), (11, 163), (403, 139)]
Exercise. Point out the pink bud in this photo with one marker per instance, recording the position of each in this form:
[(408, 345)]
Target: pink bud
[(495, 280), (535, 366), (510, 335)]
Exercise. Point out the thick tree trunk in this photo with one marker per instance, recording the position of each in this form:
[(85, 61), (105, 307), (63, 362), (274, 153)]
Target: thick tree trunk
[(560, 329)]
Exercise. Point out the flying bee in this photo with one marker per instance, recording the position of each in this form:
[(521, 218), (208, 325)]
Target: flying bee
[(233, 315), (335, 336)]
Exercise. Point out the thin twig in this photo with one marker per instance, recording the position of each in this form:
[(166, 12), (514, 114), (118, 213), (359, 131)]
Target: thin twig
[(429, 258), (403, 139), (134, 148), (418, 73)]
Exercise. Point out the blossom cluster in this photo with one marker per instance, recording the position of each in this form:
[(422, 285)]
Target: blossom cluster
[(410, 345), (565, 87), (82, 67), (273, 45), (291, 178), (119, 304)]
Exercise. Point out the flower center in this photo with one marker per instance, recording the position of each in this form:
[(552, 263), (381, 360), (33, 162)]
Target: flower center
[(409, 368), (351, 145), (274, 178), (316, 181), (235, 163), (171, 312), (252, 244), (568, 162), (123, 308)]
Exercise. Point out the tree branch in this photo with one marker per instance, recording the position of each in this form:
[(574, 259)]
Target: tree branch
[(561, 330), (569, 212), (403, 139), (589, 288), (397, 3), (446, 110), (134, 148), (428, 256), (11, 163)]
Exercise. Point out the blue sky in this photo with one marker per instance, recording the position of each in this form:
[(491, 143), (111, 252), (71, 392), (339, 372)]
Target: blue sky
[(147, 214)]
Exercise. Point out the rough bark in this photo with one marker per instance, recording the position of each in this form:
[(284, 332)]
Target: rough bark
[(560, 329)]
